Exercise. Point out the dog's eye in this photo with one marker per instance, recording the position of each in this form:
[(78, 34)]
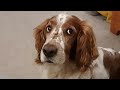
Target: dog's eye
[(69, 31), (49, 28)]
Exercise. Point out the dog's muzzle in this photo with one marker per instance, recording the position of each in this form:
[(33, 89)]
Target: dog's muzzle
[(50, 50)]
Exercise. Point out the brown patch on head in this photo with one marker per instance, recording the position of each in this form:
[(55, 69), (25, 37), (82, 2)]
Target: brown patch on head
[(39, 38), (40, 35), (73, 26), (112, 64), (81, 44), (52, 21)]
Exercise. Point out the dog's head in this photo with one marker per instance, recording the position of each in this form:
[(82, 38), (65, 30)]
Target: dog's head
[(65, 38)]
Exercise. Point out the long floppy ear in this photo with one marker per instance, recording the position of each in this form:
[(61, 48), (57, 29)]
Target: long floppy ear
[(39, 38), (86, 50)]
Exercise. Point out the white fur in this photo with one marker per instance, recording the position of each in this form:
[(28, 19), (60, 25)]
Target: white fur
[(99, 70), (62, 18), (42, 56), (59, 38), (62, 40), (109, 50), (63, 71)]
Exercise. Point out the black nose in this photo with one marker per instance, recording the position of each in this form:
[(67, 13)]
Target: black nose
[(50, 50)]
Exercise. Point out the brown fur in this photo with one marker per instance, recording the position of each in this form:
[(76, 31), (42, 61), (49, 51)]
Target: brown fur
[(112, 64), (39, 38), (71, 41), (86, 46)]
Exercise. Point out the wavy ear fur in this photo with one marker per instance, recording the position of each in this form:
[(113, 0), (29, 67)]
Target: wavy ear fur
[(86, 50), (39, 38)]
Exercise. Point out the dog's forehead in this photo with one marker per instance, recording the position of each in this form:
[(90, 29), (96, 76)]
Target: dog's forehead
[(63, 21), (61, 18)]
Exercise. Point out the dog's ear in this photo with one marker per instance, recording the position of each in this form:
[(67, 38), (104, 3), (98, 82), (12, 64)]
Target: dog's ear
[(86, 50), (40, 38)]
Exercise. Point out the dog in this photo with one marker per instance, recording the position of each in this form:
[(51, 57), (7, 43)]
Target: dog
[(66, 49)]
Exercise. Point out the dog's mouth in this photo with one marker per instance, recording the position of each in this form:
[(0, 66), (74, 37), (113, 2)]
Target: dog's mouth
[(49, 61)]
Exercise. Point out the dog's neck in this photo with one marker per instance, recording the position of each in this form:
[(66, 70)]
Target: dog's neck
[(64, 71)]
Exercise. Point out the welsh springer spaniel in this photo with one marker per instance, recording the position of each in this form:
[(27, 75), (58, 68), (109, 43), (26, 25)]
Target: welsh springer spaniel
[(66, 48)]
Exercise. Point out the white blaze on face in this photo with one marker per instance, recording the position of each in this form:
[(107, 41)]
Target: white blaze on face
[(61, 18), (57, 36), (62, 39)]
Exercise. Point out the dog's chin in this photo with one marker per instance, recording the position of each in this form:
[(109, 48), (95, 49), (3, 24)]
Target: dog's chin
[(49, 61), (53, 60)]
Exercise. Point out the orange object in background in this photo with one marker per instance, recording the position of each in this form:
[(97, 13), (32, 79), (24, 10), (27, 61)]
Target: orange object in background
[(113, 17), (107, 14), (115, 22)]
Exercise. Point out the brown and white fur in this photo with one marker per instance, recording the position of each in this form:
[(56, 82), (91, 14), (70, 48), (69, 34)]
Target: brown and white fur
[(66, 48)]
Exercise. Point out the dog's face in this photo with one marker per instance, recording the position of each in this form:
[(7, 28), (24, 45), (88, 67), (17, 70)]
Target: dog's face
[(63, 38), (60, 33)]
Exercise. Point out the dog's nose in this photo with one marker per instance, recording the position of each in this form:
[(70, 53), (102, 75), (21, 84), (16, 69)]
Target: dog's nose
[(50, 50)]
